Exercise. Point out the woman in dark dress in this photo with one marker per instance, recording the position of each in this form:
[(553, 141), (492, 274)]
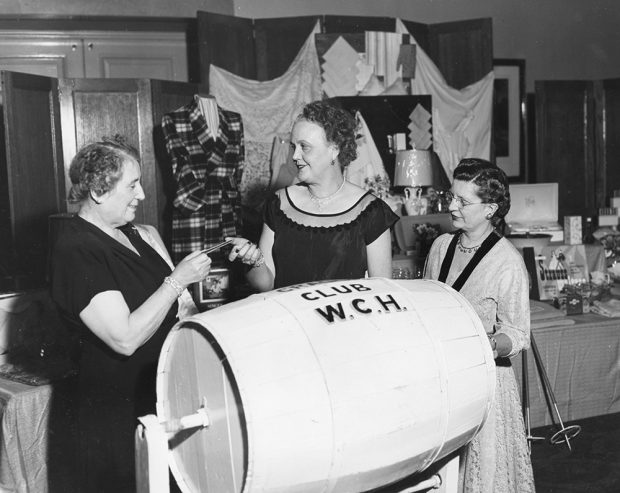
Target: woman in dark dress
[(323, 227), (113, 283)]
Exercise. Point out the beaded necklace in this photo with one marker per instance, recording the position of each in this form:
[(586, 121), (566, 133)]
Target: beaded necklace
[(464, 249), (321, 201)]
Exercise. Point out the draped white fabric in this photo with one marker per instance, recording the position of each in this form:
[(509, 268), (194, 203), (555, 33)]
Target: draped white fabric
[(267, 108), (368, 163), (461, 118)]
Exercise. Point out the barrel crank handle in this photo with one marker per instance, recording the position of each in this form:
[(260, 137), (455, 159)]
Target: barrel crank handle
[(200, 419)]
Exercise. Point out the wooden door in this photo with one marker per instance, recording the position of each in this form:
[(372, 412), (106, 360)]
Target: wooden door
[(50, 54), (607, 97), (167, 96), (462, 50), (32, 166), (278, 42), (95, 108), (152, 55), (565, 129), (227, 42)]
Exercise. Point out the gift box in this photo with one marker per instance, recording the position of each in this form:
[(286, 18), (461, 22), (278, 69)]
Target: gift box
[(534, 209), (573, 233)]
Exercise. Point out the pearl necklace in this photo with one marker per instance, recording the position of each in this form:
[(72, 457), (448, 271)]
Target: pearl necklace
[(464, 249), (321, 201)]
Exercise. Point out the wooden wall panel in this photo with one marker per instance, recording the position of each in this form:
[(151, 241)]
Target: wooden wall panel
[(608, 143), (462, 50), (278, 42), (33, 168), (565, 126), (227, 42), (95, 108), (421, 34), (357, 24)]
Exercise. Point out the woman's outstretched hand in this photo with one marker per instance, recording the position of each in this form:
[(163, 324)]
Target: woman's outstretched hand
[(246, 251), (192, 268)]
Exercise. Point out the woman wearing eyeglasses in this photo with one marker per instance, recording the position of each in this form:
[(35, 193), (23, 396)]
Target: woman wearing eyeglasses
[(486, 268)]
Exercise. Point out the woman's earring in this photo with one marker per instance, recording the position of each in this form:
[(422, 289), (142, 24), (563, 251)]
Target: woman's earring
[(92, 196), (489, 216), (333, 161)]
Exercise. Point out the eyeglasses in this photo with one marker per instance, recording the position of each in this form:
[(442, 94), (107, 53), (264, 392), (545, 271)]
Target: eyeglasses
[(460, 203)]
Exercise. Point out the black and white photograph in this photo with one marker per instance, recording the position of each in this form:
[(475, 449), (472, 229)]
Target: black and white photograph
[(275, 246)]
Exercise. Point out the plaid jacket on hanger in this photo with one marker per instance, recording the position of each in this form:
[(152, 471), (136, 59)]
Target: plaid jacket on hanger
[(207, 205)]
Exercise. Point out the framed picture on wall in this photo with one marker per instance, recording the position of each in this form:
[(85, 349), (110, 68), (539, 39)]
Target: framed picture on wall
[(509, 117)]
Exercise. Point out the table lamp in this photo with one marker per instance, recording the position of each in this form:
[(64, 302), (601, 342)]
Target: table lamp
[(413, 170)]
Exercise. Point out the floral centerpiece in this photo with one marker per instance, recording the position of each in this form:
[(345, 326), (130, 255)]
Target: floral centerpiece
[(425, 234), (379, 185)]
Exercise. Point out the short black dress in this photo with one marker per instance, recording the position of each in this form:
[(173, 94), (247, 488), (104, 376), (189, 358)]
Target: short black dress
[(316, 247), (113, 390)]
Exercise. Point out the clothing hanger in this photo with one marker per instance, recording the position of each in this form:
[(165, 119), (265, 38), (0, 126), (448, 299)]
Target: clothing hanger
[(204, 95), (209, 109)]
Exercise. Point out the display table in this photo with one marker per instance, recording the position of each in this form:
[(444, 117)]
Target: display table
[(582, 363), (35, 419), (24, 415)]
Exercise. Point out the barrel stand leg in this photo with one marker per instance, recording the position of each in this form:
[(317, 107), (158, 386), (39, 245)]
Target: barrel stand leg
[(565, 433), (445, 480), (151, 444), (525, 391)]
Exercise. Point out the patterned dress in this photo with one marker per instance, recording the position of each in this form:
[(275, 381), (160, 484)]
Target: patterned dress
[(207, 171), (497, 460)]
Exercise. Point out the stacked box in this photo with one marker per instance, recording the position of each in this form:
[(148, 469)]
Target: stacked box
[(573, 233), (608, 216)]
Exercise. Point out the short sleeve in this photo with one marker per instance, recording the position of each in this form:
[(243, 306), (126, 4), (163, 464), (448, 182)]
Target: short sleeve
[(269, 212), (79, 272), (377, 218)]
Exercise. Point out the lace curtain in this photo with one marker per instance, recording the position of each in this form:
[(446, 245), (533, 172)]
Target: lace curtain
[(461, 118), (267, 108)]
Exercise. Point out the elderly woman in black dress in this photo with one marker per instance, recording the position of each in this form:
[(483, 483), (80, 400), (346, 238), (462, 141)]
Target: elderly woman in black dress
[(114, 284)]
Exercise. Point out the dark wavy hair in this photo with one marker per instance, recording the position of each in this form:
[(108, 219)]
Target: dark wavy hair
[(339, 125), (98, 167), (491, 181)]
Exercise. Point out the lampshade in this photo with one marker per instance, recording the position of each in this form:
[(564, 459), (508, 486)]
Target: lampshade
[(413, 168)]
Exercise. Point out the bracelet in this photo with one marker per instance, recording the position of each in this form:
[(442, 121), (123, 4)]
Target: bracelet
[(259, 261), (174, 284), (493, 342)]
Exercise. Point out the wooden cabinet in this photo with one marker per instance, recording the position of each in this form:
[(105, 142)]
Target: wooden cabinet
[(576, 127), (46, 120), (96, 54)]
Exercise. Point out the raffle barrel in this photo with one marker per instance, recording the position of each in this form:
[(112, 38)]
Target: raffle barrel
[(340, 386)]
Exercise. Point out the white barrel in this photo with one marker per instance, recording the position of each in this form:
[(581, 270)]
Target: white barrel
[(340, 386)]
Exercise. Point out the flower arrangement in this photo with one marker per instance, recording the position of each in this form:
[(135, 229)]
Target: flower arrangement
[(379, 185), (425, 234)]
